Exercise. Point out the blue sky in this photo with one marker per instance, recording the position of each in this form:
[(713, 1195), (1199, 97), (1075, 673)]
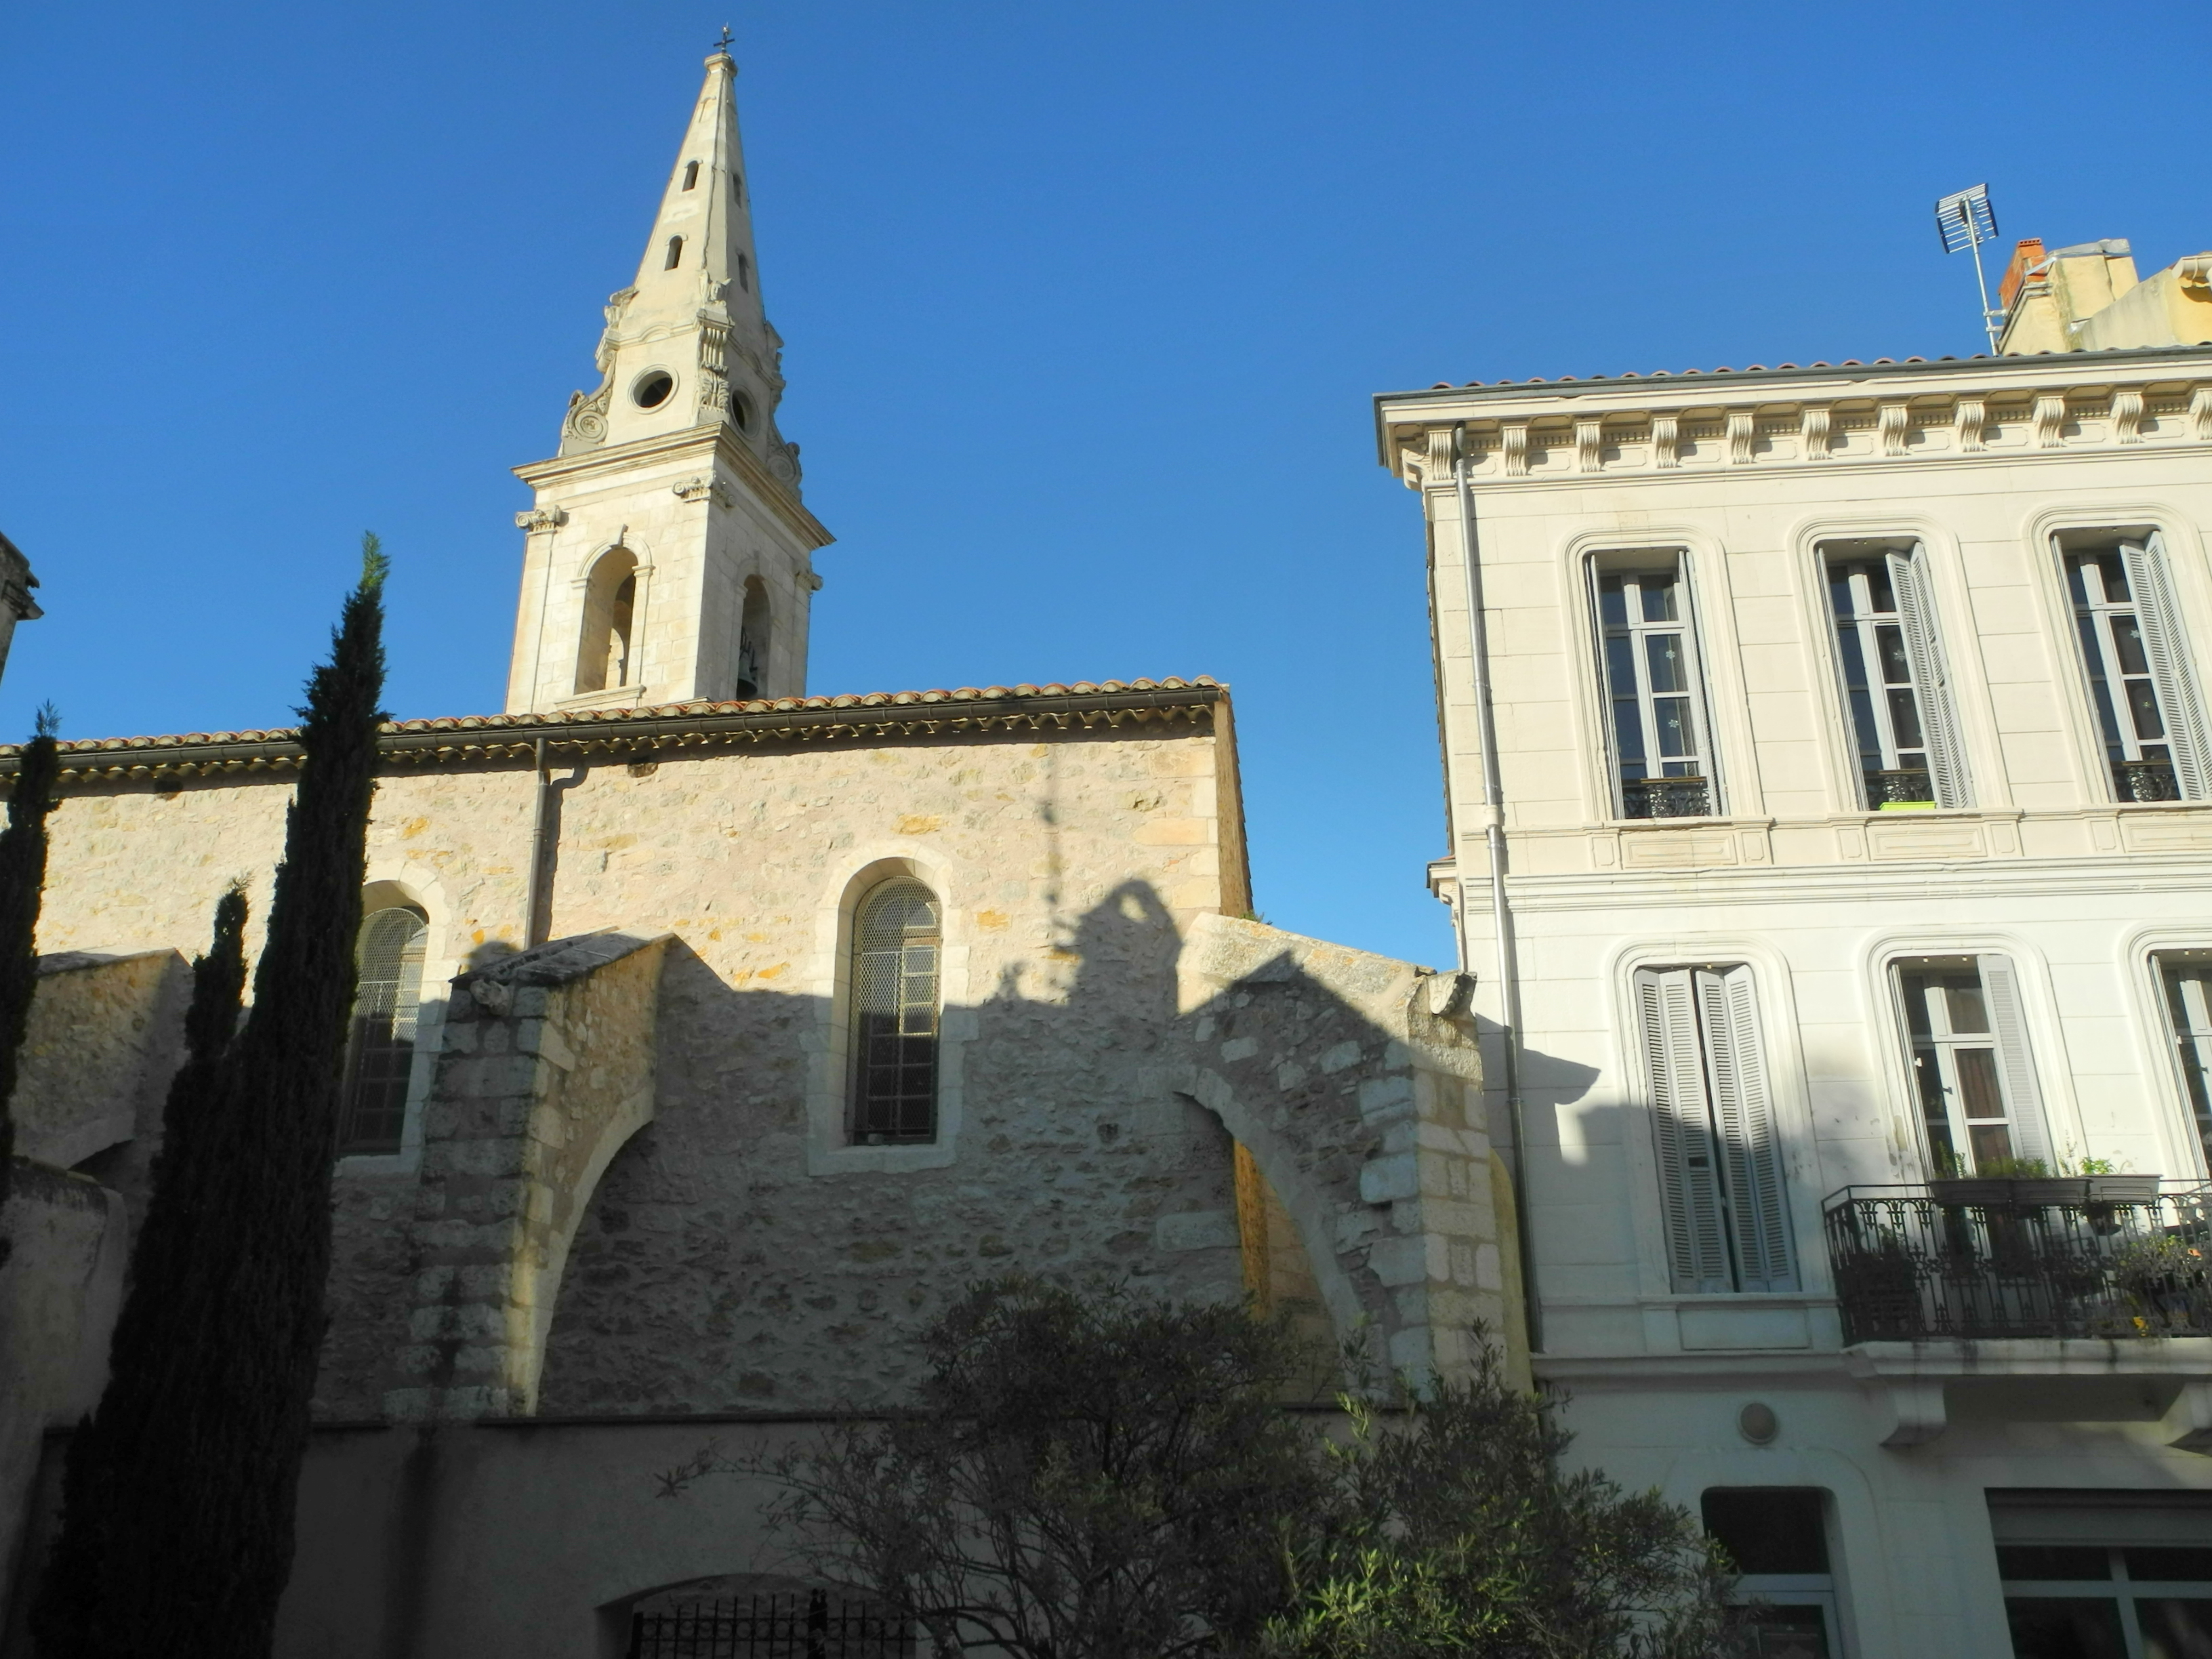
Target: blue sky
[(1084, 307)]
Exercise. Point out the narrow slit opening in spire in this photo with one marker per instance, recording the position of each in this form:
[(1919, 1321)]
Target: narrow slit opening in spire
[(744, 273), (690, 175), (675, 253)]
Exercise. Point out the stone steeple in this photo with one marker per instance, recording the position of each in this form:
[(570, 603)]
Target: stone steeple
[(669, 553), (694, 314)]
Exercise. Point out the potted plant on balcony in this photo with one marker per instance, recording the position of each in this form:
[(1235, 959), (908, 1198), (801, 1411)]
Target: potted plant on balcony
[(2031, 1183), (1878, 1287), (2164, 1280)]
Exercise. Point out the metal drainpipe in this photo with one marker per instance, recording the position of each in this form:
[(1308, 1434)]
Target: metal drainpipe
[(534, 925), (1509, 978)]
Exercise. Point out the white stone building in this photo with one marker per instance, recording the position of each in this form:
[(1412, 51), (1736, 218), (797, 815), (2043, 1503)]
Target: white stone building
[(1831, 814)]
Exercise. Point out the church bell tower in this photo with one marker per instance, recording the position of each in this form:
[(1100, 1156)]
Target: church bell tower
[(668, 557)]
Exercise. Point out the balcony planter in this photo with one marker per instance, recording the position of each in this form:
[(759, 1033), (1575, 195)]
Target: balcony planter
[(2040, 1192)]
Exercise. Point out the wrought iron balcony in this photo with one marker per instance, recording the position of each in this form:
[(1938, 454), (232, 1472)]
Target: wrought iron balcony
[(1666, 797), (1900, 788), (2095, 1256), (2145, 780)]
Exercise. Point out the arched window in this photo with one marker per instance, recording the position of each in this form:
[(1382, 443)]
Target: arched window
[(380, 1047), (690, 175), (753, 640), (675, 253), (896, 937), (744, 273), (604, 656)]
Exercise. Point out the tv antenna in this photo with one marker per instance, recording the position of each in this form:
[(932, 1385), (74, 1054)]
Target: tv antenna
[(1966, 221)]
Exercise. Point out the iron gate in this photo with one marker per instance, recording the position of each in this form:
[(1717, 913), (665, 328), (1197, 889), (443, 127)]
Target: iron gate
[(809, 1626)]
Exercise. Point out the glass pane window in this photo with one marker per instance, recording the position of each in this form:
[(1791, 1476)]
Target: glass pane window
[(1777, 1537), (2138, 677), (2098, 1601), (1655, 693), (2185, 976), (897, 944), (381, 1042), (1882, 692), (1957, 1069)]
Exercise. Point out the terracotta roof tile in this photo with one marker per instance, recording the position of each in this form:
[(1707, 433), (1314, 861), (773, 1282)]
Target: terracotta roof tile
[(656, 711)]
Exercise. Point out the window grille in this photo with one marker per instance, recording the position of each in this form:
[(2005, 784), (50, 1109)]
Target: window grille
[(1971, 1066), (2187, 979), (896, 942), (1655, 692), (1896, 686), (2141, 682), (380, 1049), (1720, 1159)]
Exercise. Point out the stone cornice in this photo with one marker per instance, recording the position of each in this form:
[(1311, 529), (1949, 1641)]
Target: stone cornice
[(693, 444), (2002, 409), (649, 733)]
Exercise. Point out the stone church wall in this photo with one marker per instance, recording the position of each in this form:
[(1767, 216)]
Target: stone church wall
[(727, 1256)]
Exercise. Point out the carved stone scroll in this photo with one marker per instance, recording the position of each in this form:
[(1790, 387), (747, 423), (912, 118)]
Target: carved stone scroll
[(1894, 422), (1968, 421), (2050, 419), (1515, 449), (1589, 443), (1741, 430), (2127, 417)]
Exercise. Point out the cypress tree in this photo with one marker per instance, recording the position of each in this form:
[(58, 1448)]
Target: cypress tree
[(69, 1614), (184, 1541), (22, 884)]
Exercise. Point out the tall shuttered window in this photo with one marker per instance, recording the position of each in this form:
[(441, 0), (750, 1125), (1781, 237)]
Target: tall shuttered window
[(380, 1047), (2185, 979), (2142, 684), (1655, 692), (1720, 1159), (1896, 686), (897, 940), (1979, 1105)]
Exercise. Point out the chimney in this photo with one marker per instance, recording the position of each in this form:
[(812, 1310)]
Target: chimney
[(2026, 258)]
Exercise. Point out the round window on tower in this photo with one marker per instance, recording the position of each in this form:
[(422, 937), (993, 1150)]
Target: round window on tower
[(653, 388), (741, 411)]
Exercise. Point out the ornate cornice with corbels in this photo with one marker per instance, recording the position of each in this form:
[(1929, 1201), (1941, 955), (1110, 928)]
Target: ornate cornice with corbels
[(1539, 432)]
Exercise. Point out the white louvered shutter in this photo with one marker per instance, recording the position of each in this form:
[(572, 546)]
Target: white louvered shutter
[(1689, 1180), (2030, 1133), (1743, 1118), (1931, 675), (2171, 672)]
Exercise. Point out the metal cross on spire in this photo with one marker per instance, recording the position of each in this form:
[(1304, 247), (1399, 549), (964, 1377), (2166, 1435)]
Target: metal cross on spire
[(722, 45)]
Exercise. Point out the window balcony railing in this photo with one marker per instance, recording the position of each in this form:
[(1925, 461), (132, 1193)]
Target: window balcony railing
[(1903, 787), (1666, 797), (2081, 1256), (2145, 780)]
